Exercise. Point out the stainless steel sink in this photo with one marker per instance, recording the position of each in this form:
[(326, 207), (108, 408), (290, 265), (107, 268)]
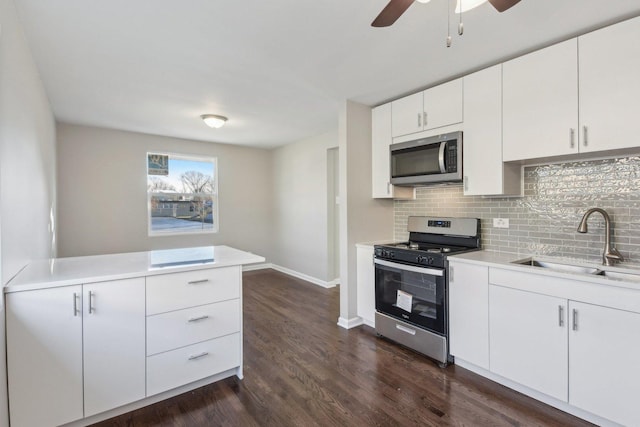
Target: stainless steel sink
[(628, 277), (568, 268)]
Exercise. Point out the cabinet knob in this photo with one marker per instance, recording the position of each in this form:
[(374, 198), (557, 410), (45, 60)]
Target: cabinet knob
[(575, 320), (419, 120)]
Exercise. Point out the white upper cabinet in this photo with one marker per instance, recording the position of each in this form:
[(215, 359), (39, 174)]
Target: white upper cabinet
[(407, 115), (433, 108), (443, 105), (484, 171), (380, 163), (540, 103), (609, 86)]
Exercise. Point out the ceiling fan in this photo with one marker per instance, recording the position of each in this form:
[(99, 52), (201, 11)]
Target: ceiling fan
[(395, 8)]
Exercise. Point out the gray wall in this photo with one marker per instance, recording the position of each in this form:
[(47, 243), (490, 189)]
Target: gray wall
[(27, 165), (102, 195), (362, 219), (545, 220), (300, 223)]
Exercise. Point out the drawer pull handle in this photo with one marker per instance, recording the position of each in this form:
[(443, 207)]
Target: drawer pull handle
[(198, 356), (195, 282), (195, 319), (405, 329)]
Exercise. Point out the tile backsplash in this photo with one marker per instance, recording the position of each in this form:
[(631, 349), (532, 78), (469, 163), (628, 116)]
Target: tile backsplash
[(545, 219)]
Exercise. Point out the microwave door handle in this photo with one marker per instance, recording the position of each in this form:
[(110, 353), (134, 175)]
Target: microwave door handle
[(443, 167)]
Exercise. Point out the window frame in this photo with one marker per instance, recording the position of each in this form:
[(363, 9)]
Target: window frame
[(214, 195)]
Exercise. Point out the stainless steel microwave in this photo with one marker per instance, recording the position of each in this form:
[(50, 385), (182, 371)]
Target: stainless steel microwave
[(427, 161)]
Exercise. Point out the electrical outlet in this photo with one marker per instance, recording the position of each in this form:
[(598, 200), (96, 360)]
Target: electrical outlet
[(500, 222)]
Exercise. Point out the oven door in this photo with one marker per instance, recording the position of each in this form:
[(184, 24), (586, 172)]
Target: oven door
[(411, 293)]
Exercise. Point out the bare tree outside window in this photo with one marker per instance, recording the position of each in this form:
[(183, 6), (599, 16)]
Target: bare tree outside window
[(182, 194)]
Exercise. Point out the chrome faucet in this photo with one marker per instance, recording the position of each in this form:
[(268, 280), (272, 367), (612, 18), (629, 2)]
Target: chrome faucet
[(610, 254)]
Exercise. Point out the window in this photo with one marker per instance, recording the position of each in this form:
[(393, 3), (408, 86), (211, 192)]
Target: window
[(182, 194)]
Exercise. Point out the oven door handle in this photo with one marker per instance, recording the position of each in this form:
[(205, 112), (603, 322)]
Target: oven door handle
[(423, 270)]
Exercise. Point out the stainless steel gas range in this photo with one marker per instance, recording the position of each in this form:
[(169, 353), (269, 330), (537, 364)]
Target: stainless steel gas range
[(411, 282)]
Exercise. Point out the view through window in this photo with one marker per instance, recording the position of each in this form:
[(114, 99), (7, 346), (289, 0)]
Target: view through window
[(182, 194)]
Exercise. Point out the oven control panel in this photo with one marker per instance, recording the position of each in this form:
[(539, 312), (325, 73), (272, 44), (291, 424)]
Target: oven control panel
[(439, 223)]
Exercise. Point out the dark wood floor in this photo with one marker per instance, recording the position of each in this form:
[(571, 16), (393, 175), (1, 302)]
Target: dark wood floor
[(301, 369)]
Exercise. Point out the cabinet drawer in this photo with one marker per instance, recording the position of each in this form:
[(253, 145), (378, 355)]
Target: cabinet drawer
[(176, 291), (188, 364), (180, 328)]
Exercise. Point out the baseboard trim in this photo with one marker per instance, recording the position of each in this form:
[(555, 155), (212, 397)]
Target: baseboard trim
[(302, 276), (350, 323), (551, 401), (252, 267)]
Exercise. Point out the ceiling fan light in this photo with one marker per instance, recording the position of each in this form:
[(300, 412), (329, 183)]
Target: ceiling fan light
[(423, 1), (466, 5), (213, 120)]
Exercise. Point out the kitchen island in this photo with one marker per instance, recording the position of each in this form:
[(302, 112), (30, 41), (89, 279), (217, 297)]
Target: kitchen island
[(92, 337)]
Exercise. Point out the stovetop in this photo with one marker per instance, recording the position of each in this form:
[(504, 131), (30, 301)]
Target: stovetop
[(423, 254), (426, 247), (431, 240)]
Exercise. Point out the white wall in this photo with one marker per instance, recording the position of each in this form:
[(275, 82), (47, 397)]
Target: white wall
[(362, 219), (300, 226), (27, 165), (102, 193)]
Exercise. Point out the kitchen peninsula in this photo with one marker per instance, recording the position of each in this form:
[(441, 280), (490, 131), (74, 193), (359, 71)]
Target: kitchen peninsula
[(91, 337)]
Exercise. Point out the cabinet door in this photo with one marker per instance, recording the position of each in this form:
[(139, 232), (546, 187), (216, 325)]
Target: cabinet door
[(540, 103), (114, 344), (380, 141), (609, 86), (484, 171), (380, 163), (603, 364), (528, 339), (366, 285), (406, 115), (44, 356), (443, 105), (469, 313)]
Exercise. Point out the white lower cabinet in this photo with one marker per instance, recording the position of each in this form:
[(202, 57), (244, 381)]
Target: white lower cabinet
[(528, 339), (172, 369), (44, 356), (469, 313), (75, 347), (113, 344), (604, 368), (78, 351), (194, 325)]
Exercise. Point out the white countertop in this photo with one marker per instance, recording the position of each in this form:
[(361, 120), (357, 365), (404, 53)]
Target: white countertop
[(99, 268), (508, 261)]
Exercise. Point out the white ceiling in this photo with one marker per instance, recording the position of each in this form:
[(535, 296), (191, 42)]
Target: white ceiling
[(279, 69)]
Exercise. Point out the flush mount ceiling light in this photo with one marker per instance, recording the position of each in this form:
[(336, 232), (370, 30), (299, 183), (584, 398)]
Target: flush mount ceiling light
[(213, 120)]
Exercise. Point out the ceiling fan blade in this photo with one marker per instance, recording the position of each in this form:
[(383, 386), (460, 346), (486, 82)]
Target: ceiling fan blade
[(502, 5), (391, 13)]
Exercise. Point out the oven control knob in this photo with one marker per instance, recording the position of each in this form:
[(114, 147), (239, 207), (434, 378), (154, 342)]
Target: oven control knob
[(430, 260), (420, 259)]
